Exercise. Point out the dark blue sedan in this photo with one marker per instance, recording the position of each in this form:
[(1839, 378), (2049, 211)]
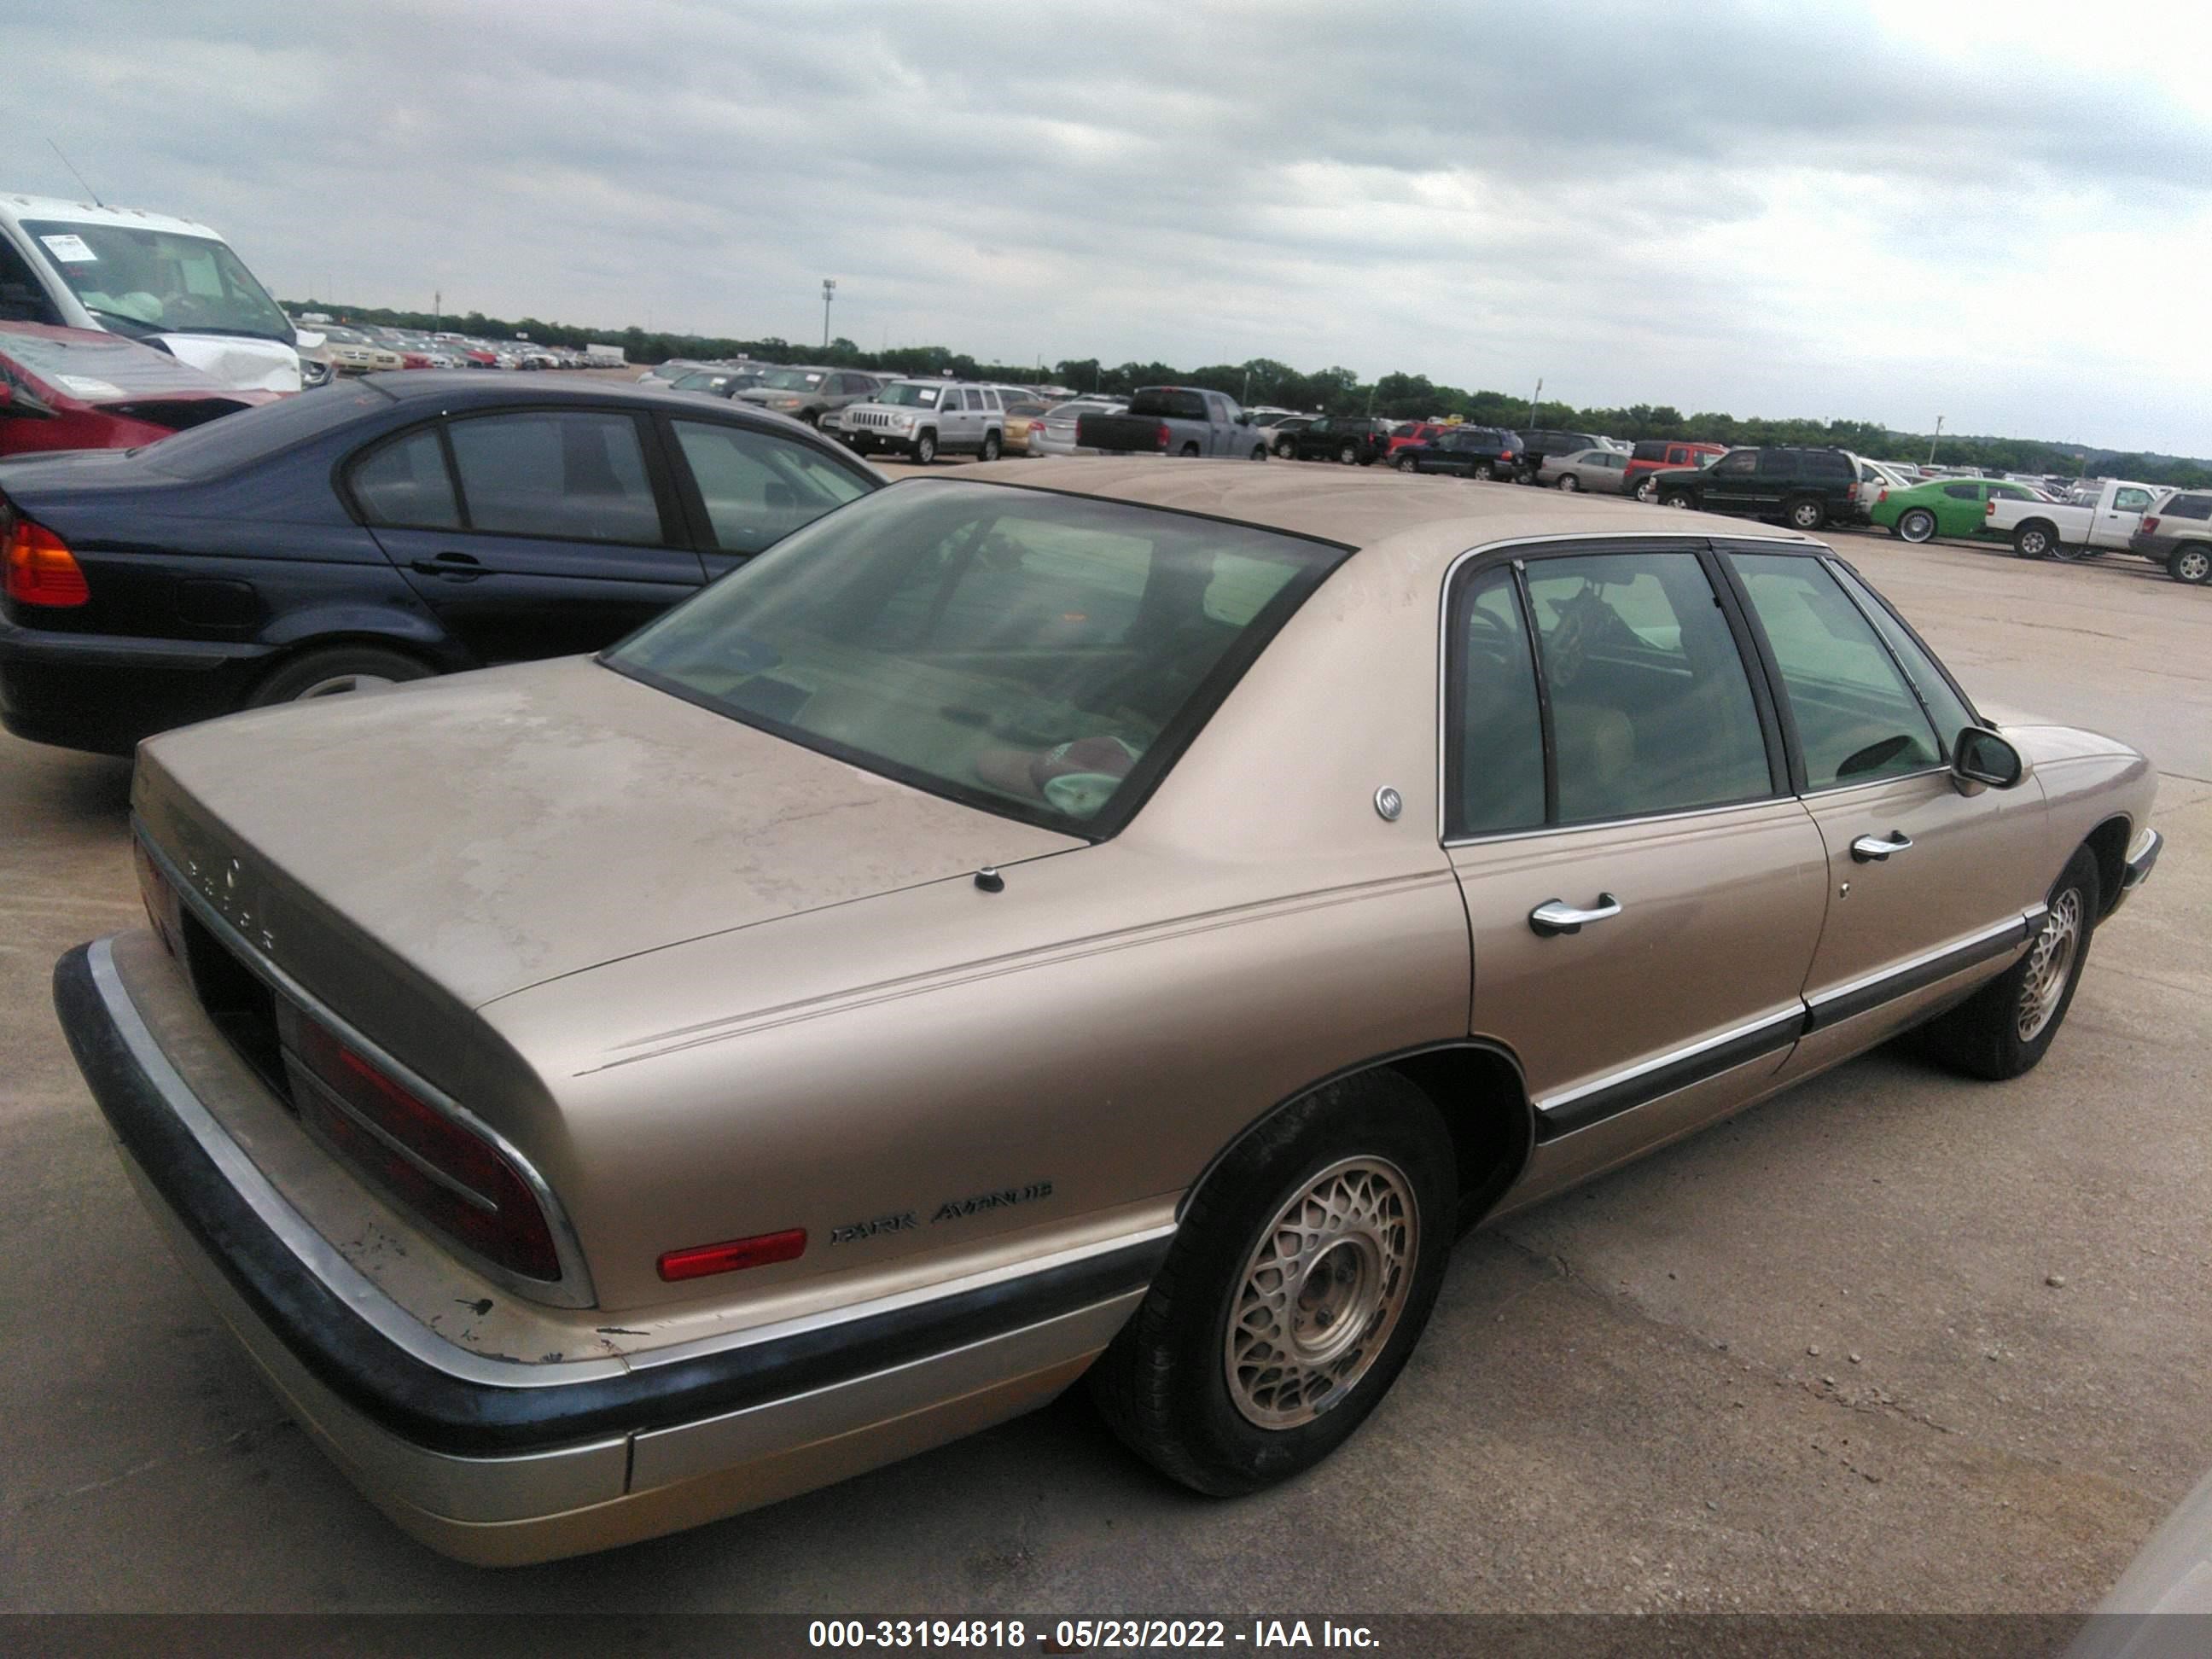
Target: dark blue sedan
[(397, 527)]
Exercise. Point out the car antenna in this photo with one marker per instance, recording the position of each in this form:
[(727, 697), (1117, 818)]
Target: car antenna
[(81, 178)]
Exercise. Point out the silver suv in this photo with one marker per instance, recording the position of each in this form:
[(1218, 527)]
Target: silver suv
[(927, 418)]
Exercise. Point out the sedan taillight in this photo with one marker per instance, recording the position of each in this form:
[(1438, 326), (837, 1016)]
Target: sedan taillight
[(456, 1181), (40, 568)]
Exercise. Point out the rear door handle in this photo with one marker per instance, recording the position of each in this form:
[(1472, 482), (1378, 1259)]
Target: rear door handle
[(1556, 917), (1873, 849), (460, 565)]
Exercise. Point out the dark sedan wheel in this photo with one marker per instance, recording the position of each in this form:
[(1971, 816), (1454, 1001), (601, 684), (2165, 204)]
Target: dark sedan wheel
[(1287, 451), (990, 446), (2006, 1026), (1918, 526), (1806, 515), (1348, 454), (1495, 473), (2192, 565), (2034, 541), (1302, 1275), (1403, 464), (335, 669)]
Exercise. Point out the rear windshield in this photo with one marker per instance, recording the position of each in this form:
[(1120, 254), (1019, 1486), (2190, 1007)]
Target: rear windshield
[(1170, 403), (1040, 656), (224, 445)]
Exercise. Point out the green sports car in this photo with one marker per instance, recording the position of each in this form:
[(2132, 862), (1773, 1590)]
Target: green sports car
[(1941, 507)]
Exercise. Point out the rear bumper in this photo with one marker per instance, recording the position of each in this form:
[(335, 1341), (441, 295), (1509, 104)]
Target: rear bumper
[(500, 1461), (104, 692)]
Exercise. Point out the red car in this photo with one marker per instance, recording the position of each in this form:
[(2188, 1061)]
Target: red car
[(1413, 432), (73, 388), (1652, 454)]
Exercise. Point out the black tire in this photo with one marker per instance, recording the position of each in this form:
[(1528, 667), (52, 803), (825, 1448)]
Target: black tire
[(924, 448), (1403, 464), (1287, 451), (1805, 513), (2190, 563), (1165, 1384), (1348, 454), (1647, 489), (1677, 498), (334, 669), (1259, 452), (1188, 452), (1916, 525), (1984, 1036), (2035, 539), (1494, 472), (991, 447)]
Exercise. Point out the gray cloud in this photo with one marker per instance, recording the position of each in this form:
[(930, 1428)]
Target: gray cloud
[(1757, 210)]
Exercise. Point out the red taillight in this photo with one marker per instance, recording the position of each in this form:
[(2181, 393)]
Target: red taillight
[(1990, 509), (1851, 490), (454, 1179), (703, 1260), (41, 570), (2150, 526), (1882, 497), (1162, 437)]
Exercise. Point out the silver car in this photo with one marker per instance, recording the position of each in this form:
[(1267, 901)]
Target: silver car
[(1055, 434), (1602, 471)]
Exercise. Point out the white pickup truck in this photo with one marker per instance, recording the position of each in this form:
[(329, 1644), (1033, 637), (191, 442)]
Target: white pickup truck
[(2041, 529)]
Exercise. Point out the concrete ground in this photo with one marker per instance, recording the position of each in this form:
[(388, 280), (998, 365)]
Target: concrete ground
[(1897, 1341)]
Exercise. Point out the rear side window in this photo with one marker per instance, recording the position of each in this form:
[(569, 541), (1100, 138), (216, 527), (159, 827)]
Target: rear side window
[(238, 441), (1650, 450), (2189, 507), (573, 474), (758, 489), (404, 483), (1496, 761), (1826, 464)]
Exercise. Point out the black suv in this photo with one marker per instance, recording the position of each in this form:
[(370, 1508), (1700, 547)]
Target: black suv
[(1468, 452), (1354, 439), (1805, 488), (1538, 442)]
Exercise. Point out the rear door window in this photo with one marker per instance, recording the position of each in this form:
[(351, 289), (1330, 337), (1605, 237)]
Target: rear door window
[(576, 475), (2189, 507), (405, 483)]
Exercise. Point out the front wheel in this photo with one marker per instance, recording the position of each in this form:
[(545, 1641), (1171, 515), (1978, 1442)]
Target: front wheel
[(1403, 464), (2006, 1027), (1647, 489), (1676, 498), (924, 448), (991, 445), (1569, 482), (2191, 564), (1918, 526), (1303, 1273)]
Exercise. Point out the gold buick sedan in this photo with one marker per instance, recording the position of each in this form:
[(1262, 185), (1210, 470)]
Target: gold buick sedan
[(1090, 916)]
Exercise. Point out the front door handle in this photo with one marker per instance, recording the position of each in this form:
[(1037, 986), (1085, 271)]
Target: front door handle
[(1873, 849), (450, 564), (1555, 916)]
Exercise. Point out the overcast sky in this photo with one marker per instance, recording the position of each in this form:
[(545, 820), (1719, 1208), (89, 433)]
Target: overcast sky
[(2000, 213)]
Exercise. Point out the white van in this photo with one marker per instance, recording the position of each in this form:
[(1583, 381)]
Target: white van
[(148, 277)]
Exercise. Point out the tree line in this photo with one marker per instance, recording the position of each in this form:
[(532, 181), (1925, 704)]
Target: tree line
[(1338, 390)]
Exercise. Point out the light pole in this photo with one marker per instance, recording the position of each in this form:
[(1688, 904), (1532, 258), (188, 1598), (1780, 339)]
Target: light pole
[(829, 292), (1931, 443), (1533, 399)]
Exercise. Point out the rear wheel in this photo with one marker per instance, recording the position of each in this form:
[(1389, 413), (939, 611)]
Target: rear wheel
[(2034, 540), (1403, 464), (2006, 1026), (334, 669), (1495, 473), (1807, 514), (1259, 452), (1303, 1273), (1569, 482), (1188, 452), (990, 446), (1918, 526), (1348, 454), (2191, 564)]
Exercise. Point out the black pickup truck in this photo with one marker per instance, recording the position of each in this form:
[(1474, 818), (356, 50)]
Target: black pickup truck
[(1176, 420)]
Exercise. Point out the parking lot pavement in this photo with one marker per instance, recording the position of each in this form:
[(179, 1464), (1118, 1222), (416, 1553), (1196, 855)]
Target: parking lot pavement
[(1894, 1342)]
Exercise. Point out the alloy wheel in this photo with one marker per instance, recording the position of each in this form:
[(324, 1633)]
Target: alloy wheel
[(2050, 962)]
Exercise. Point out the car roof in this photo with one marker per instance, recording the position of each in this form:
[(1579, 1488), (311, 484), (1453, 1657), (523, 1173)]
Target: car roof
[(19, 208), (464, 388), (1430, 521)]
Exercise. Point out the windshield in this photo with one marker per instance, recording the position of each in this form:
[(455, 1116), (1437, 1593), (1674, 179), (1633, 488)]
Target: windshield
[(156, 280), (1043, 657), (910, 394), (792, 379)]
